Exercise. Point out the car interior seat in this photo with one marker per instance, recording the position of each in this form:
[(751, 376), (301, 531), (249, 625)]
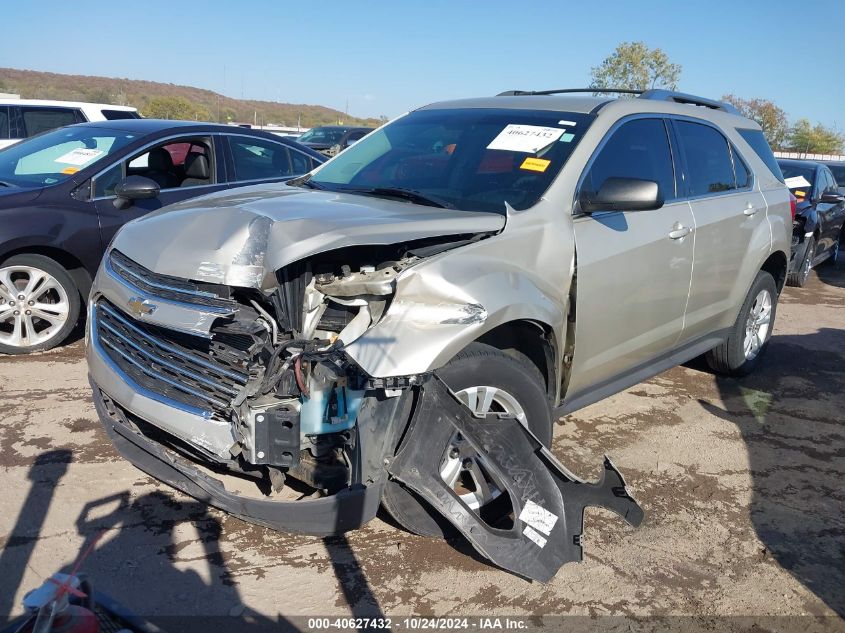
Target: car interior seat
[(160, 168), (197, 171)]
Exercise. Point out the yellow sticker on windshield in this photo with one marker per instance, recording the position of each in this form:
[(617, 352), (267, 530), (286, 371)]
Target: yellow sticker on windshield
[(535, 164), (800, 194), (69, 171)]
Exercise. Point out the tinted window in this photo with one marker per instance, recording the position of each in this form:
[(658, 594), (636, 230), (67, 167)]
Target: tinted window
[(741, 172), (256, 159), (838, 173), (323, 135), (37, 120), (171, 164), (116, 115), (474, 159), (4, 122), (708, 159), (639, 149), (300, 162), (829, 182), (761, 147)]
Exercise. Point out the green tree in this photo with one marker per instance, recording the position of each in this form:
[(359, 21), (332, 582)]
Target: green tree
[(174, 108), (770, 117), (814, 139), (635, 66)]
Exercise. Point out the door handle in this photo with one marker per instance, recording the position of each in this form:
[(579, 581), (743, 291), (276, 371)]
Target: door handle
[(679, 231), (750, 209)]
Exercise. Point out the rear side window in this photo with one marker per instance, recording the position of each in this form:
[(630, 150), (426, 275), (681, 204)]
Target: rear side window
[(257, 159), (741, 171), (37, 120), (638, 149), (300, 163), (838, 173), (117, 115), (708, 159), (761, 147)]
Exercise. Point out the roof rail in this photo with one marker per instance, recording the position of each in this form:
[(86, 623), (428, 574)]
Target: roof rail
[(517, 93), (682, 97), (654, 94)]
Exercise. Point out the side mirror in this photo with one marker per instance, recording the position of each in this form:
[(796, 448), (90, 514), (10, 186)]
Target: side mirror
[(832, 198), (623, 194), (134, 188)]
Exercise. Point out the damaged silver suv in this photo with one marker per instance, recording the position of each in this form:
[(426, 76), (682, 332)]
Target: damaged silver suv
[(403, 325)]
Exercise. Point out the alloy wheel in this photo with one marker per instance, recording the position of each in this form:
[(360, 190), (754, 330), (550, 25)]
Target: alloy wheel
[(33, 306), (758, 324), (462, 469)]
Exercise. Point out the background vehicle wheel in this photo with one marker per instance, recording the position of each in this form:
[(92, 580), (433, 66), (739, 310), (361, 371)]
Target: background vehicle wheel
[(486, 380), (39, 304), (835, 254), (741, 352), (800, 276)]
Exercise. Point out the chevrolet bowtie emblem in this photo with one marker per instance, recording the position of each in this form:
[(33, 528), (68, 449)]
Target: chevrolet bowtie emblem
[(140, 307)]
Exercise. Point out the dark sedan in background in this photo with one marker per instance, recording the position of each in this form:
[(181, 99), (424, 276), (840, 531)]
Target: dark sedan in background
[(64, 194), (837, 168), (333, 139), (819, 224)]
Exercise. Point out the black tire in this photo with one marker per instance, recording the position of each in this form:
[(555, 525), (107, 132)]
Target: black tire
[(55, 270), (478, 364), (836, 250), (729, 358), (799, 278)]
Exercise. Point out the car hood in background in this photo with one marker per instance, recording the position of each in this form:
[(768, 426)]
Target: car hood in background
[(241, 237)]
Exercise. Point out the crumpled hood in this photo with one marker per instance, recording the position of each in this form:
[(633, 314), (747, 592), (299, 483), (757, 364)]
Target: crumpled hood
[(241, 237)]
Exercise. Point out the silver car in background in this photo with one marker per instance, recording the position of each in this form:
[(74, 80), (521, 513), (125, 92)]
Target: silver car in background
[(403, 325)]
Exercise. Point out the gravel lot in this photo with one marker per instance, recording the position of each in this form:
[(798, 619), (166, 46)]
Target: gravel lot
[(741, 481)]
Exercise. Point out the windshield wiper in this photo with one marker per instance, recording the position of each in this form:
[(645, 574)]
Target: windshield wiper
[(405, 194)]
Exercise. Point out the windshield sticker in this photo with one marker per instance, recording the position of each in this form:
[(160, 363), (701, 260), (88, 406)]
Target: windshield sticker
[(535, 164), (800, 194), (525, 138), (796, 181), (567, 138), (69, 171), (567, 123), (79, 156)]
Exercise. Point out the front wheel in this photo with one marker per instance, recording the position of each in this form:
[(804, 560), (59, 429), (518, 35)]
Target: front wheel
[(740, 353), (39, 304), (486, 380)]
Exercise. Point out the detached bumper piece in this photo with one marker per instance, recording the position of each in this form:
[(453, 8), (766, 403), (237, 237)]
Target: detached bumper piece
[(347, 510), (548, 501)]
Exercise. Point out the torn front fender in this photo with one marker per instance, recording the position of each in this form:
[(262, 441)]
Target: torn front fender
[(548, 501)]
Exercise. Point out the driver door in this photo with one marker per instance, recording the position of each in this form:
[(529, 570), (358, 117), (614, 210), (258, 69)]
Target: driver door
[(184, 167), (633, 268)]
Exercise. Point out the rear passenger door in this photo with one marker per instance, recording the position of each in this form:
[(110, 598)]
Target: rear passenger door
[(633, 267), (728, 212)]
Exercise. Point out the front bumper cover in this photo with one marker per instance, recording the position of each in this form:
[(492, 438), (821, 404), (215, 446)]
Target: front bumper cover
[(347, 510)]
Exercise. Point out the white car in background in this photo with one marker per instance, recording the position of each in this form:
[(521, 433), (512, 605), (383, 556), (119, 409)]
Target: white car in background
[(22, 118)]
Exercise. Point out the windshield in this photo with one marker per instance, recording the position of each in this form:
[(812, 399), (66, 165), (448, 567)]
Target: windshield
[(471, 159), (323, 135), (799, 179), (56, 155)]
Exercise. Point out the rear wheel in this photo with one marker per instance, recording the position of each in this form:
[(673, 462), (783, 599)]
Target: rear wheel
[(800, 276), (740, 353), (39, 304), (486, 380)]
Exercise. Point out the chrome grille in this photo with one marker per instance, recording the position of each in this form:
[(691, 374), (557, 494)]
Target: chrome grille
[(175, 365), (166, 286)]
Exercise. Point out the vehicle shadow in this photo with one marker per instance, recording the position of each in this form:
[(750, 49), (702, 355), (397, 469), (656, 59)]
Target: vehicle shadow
[(832, 275), (159, 558), (793, 424)]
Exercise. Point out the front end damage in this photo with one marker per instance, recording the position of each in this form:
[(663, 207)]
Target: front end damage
[(253, 397)]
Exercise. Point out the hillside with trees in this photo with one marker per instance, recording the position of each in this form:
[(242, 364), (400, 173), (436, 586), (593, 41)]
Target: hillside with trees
[(162, 100)]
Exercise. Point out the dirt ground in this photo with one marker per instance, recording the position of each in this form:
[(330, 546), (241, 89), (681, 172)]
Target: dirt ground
[(741, 481)]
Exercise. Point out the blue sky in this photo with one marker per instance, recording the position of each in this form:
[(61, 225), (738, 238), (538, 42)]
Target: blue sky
[(387, 57)]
